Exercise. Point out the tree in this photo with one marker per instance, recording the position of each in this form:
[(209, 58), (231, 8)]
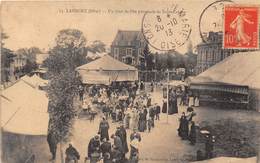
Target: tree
[(64, 81), (146, 53), (97, 46), (30, 53), (6, 59), (29, 67)]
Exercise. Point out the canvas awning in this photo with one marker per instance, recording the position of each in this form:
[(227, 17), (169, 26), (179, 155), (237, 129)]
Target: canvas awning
[(106, 70), (24, 110), (239, 69)]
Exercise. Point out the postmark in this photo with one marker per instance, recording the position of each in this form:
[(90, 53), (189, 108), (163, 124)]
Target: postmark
[(211, 18), (241, 27), (168, 29)]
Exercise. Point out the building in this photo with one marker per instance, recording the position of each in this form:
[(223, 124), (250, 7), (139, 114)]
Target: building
[(19, 61), (128, 47), (211, 52)]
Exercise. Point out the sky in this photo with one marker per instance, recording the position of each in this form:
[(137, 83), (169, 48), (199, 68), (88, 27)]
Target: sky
[(37, 23)]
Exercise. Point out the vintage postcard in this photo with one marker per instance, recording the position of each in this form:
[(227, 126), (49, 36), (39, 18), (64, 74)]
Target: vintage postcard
[(130, 81)]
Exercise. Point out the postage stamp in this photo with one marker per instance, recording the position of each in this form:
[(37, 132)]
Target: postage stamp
[(168, 29), (241, 27)]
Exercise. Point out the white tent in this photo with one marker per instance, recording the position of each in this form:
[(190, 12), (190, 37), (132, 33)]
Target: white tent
[(24, 110), (241, 69), (106, 70), (35, 80)]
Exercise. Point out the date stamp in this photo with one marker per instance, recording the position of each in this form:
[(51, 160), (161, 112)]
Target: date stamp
[(168, 29), (241, 28)]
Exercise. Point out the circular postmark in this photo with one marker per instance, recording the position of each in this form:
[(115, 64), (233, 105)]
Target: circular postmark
[(211, 18), (168, 29)]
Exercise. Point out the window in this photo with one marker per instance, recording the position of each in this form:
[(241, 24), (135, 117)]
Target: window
[(140, 52), (129, 60), (116, 53), (128, 51)]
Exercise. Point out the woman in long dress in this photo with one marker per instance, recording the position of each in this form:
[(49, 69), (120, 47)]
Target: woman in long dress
[(238, 24), (191, 100), (196, 101), (142, 121)]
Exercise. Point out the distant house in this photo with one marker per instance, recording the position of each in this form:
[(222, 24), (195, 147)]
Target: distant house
[(128, 47)]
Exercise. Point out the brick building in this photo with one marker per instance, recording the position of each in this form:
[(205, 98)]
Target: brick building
[(128, 47), (211, 52)]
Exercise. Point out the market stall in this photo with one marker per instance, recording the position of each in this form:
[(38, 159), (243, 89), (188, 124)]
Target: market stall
[(220, 94)]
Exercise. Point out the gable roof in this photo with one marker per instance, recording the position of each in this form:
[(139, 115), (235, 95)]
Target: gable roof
[(107, 63), (238, 69), (124, 37)]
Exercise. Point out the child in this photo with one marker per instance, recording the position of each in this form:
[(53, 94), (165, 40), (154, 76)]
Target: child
[(149, 121)]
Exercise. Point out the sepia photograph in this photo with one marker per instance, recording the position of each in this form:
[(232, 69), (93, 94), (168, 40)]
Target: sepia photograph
[(130, 81)]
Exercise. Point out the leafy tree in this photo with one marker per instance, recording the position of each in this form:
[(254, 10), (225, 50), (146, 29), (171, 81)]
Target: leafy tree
[(29, 67), (97, 46), (30, 53), (6, 59), (64, 81)]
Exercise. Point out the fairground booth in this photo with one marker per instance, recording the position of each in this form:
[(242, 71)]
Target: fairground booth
[(233, 82), (107, 70), (24, 122)]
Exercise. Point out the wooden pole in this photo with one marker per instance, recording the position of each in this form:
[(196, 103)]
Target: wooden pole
[(167, 96)]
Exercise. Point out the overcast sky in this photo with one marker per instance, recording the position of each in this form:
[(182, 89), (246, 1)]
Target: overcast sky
[(37, 23)]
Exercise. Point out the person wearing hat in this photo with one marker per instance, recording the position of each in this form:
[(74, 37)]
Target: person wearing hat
[(94, 145), (135, 135), (157, 111), (118, 143), (105, 147), (121, 132), (71, 154), (103, 129), (183, 130), (52, 142), (134, 151), (116, 155), (190, 114), (192, 135)]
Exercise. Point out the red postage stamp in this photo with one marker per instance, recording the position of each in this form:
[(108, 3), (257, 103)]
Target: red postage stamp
[(241, 27)]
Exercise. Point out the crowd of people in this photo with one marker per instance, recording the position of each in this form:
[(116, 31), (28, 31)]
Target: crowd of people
[(131, 108), (113, 149), (187, 128)]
